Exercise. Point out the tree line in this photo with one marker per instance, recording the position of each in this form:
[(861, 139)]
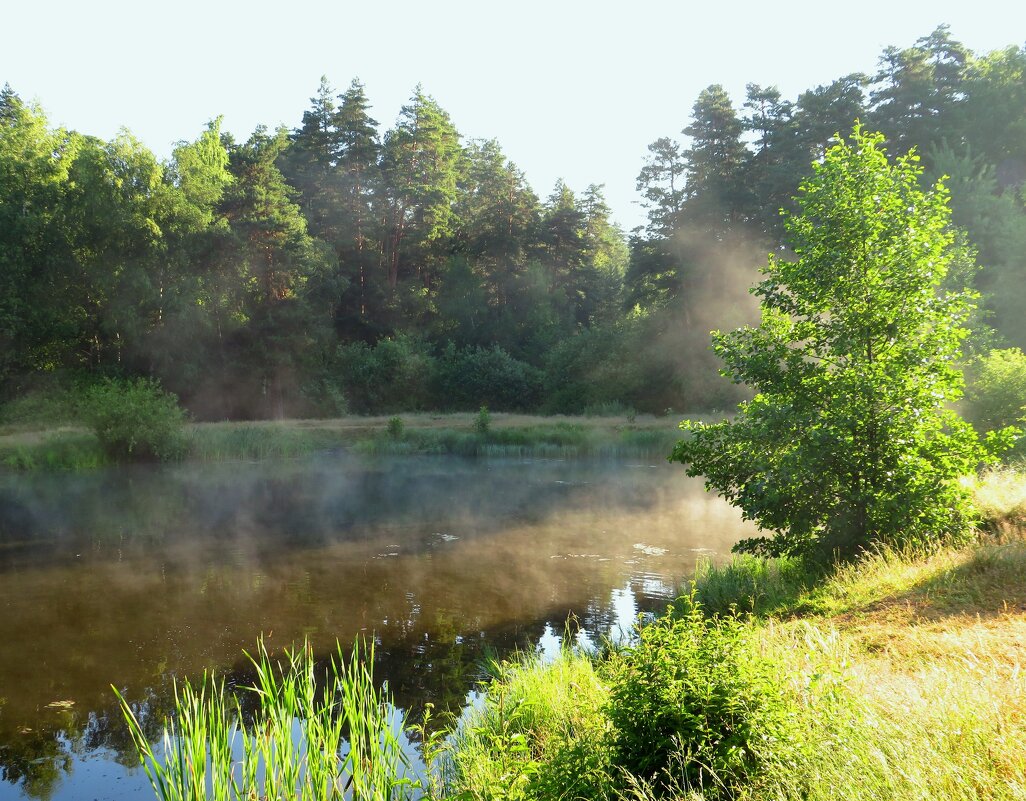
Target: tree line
[(335, 266)]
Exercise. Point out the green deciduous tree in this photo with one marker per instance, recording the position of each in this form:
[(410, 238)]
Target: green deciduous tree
[(849, 439)]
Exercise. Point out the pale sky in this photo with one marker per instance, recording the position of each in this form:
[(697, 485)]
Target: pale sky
[(570, 89)]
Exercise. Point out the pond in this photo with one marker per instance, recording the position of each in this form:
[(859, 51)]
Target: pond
[(137, 576)]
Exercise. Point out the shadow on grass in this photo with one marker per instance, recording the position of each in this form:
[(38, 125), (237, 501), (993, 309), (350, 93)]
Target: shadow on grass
[(988, 583), (757, 586), (985, 580)]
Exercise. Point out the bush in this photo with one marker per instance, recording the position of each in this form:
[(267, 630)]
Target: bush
[(135, 420), (996, 394), (393, 375), (44, 399), (694, 705), (470, 377), (483, 422), (396, 428)]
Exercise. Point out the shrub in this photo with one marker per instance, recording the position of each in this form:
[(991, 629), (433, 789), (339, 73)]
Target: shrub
[(470, 377), (694, 705), (393, 375), (483, 421), (45, 399), (135, 420), (996, 394), (396, 428)]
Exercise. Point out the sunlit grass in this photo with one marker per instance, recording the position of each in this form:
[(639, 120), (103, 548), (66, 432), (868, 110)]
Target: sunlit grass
[(1000, 495), (540, 731)]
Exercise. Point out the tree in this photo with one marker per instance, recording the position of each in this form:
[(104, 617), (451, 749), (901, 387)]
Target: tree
[(920, 91), (661, 183), (37, 325), (849, 439), (715, 195), (421, 161)]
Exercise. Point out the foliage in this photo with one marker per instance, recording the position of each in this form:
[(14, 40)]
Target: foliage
[(483, 421), (396, 428), (46, 400), (469, 377), (64, 451), (849, 439), (996, 394), (692, 702), (1000, 497), (539, 732), (135, 420), (348, 745), (393, 375), (235, 272)]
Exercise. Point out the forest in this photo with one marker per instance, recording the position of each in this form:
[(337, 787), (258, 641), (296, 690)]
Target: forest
[(339, 267)]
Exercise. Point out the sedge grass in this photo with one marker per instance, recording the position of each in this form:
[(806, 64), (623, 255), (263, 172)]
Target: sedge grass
[(540, 731), (66, 450), (304, 743), (220, 442), (557, 440)]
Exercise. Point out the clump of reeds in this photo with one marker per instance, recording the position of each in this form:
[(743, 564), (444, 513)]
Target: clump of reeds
[(560, 440), (302, 744), (71, 450), (225, 442)]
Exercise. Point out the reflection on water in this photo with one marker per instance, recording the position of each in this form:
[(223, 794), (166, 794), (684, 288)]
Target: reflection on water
[(138, 576)]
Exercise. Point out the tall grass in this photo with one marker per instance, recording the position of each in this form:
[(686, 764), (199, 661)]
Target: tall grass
[(1000, 496), (69, 450), (220, 442), (558, 440), (304, 743), (540, 731)]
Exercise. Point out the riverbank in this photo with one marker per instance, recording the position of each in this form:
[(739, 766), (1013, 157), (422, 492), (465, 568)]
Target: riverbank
[(896, 677), (27, 447)]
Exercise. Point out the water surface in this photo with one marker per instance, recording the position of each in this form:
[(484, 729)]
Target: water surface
[(136, 576)]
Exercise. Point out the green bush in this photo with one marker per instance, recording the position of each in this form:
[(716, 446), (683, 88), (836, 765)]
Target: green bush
[(44, 399), (483, 422), (393, 375), (135, 420), (996, 393), (693, 705), (469, 377), (396, 428)]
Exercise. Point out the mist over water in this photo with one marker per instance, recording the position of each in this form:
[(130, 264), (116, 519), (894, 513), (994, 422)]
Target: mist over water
[(136, 576)]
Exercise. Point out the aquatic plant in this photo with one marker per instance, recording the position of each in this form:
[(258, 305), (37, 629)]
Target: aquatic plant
[(303, 743)]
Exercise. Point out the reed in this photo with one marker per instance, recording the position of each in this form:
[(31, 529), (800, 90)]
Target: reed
[(69, 450), (303, 743), (559, 440)]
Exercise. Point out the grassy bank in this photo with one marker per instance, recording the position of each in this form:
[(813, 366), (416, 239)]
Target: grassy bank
[(895, 677), (27, 447)]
